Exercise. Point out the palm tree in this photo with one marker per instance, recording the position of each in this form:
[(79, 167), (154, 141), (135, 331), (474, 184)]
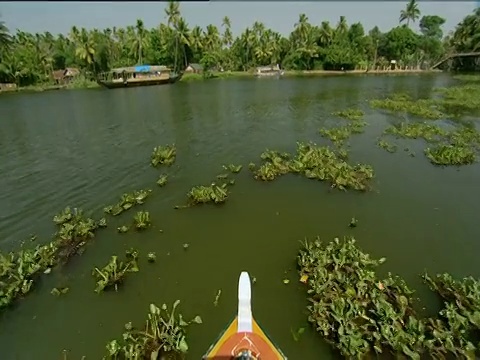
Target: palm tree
[(173, 14), (140, 41), (411, 12), (227, 35), (183, 36), (5, 38), (85, 50)]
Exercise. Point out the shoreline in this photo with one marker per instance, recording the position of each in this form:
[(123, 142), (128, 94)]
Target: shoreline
[(188, 77)]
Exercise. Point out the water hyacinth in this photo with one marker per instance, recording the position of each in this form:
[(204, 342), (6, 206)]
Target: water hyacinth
[(127, 201), (163, 337), (163, 155), (315, 162), (363, 316), (113, 274), (19, 270)]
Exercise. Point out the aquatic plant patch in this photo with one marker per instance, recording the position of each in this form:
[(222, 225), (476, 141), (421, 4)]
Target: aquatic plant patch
[(19, 270), (162, 180), (127, 201), (162, 337), (141, 221), (235, 169), (403, 103), (391, 148), (460, 100), (450, 155), (163, 155), (458, 146), (362, 315), (415, 130), (214, 193), (315, 162), (350, 114), (113, 274), (74, 231), (341, 133)]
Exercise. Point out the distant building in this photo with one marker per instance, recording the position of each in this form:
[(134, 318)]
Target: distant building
[(194, 68), (64, 76)]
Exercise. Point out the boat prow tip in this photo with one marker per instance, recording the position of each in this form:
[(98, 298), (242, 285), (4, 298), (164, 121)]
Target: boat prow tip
[(245, 320)]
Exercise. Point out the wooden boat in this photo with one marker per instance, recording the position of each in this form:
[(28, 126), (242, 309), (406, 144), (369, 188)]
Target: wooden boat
[(244, 339), (269, 71), (143, 75)]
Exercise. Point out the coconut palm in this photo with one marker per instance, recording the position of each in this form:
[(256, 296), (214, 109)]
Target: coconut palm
[(411, 12), (139, 41), (5, 38)]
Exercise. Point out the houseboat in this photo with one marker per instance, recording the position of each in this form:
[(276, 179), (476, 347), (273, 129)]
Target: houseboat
[(143, 75), (264, 71), (243, 339)]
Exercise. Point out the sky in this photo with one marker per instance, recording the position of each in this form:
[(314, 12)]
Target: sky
[(59, 17)]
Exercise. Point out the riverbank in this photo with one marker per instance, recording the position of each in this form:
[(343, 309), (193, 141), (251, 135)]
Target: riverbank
[(188, 77)]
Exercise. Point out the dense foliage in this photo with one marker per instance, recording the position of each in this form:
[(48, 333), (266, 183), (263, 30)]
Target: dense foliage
[(31, 58)]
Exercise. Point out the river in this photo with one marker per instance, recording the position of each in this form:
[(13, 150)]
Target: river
[(84, 148)]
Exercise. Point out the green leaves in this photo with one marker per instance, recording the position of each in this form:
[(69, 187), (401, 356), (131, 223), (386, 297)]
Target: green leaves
[(163, 155), (127, 201), (141, 220), (164, 334), (314, 162), (113, 274), (360, 314)]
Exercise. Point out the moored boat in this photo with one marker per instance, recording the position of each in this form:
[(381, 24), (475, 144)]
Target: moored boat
[(244, 339), (143, 75), (269, 71)]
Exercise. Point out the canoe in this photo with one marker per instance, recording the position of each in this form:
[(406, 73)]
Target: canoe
[(244, 339)]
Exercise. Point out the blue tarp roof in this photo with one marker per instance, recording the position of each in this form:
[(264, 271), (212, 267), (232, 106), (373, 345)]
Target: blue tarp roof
[(142, 68)]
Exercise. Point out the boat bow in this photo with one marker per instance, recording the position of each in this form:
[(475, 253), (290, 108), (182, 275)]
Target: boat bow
[(244, 339)]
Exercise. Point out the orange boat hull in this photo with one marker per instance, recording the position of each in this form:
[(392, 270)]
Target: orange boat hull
[(231, 342)]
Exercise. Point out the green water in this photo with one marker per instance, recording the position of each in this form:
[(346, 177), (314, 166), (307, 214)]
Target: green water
[(85, 148)]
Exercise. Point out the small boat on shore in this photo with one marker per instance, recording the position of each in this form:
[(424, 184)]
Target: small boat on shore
[(269, 71), (244, 339), (142, 75)]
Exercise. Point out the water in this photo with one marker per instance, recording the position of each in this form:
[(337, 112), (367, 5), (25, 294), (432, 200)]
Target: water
[(85, 148)]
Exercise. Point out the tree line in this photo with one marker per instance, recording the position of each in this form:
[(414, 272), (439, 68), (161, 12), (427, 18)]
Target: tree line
[(27, 58)]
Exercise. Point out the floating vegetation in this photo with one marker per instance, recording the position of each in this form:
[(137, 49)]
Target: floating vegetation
[(457, 146), (74, 231), (428, 132), (214, 193), (123, 229), (19, 270), (350, 114), (461, 99), (251, 166), (141, 220), (163, 155), (163, 337), (113, 274), (353, 222), (314, 162), (233, 168), (424, 108), (151, 257), (450, 155), (275, 164), (127, 201), (162, 180), (217, 298), (391, 148), (59, 291), (361, 315), (341, 133)]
